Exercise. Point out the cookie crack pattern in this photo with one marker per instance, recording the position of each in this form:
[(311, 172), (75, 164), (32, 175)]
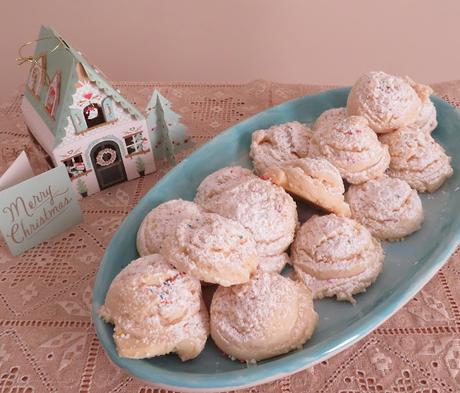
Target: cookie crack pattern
[(379, 161), (398, 210), (338, 148), (339, 232)]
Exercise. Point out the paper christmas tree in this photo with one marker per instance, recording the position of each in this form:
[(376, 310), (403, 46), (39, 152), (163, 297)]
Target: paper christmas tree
[(167, 134), (165, 148)]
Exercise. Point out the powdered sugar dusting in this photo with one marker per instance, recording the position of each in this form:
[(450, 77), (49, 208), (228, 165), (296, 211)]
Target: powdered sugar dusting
[(387, 101), (160, 223), (426, 120), (328, 118), (353, 148), (387, 206), (268, 315), (417, 159), (156, 310), (279, 144), (264, 209), (333, 247), (213, 249), (342, 288), (220, 181)]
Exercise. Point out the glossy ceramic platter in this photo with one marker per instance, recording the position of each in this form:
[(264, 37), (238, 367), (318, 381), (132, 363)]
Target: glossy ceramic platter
[(408, 264)]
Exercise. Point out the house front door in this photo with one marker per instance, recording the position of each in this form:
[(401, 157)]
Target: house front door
[(108, 164)]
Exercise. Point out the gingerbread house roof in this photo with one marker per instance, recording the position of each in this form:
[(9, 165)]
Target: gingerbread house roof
[(62, 58)]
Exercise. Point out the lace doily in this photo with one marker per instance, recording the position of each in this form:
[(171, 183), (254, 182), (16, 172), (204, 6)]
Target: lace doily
[(48, 343)]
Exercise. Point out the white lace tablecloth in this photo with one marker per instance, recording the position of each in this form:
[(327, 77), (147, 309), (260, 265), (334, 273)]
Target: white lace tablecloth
[(47, 340)]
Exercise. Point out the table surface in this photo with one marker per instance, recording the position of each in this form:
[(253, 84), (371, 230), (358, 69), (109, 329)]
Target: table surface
[(48, 343)]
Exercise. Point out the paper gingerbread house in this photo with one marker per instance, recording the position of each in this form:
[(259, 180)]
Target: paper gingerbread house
[(81, 121), (167, 133)]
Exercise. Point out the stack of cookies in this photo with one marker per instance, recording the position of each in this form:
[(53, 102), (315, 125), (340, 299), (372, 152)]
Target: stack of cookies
[(361, 165)]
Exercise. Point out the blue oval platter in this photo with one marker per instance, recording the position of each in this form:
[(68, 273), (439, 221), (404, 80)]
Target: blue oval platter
[(409, 264)]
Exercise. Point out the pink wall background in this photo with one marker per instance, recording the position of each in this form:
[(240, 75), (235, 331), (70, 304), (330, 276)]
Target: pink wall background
[(329, 42)]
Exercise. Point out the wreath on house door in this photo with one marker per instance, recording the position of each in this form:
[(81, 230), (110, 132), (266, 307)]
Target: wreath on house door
[(106, 157)]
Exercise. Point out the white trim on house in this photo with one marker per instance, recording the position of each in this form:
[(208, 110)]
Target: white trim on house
[(38, 127)]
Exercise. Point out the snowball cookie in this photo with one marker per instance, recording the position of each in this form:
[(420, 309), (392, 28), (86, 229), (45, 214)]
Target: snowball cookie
[(388, 102), (353, 148), (336, 256), (313, 179), (426, 119), (218, 182), (213, 249), (264, 209), (279, 144), (387, 207), (156, 310), (267, 316), (328, 118), (417, 159), (161, 222)]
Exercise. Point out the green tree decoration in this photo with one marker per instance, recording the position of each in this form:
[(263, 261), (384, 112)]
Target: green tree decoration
[(140, 166), (167, 134), (82, 189)]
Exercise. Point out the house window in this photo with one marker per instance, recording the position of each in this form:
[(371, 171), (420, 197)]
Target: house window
[(75, 166), (93, 115), (108, 108), (34, 80), (135, 143), (37, 76), (52, 97)]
